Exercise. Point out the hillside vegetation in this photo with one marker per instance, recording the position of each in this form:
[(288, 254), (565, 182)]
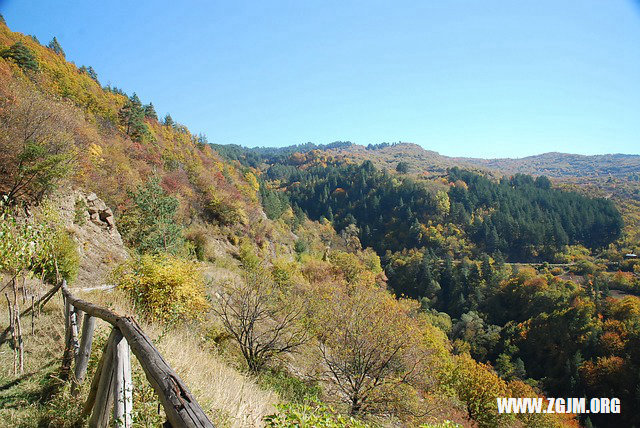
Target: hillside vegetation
[(301, 286)]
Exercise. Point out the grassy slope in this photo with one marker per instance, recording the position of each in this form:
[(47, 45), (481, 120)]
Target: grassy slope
[(24, 399), (36, 398)]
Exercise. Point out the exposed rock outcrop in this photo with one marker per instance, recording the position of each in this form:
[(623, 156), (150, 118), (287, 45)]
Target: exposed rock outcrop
[(92, 225)]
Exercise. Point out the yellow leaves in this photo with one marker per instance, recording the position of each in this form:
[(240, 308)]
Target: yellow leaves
[(166, 288), (443, 204), (95, 154), (356, 269), (252, 180)]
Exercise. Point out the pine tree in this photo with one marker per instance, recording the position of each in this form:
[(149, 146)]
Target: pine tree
[(92, 73), (132, 118), (150, 112), (168, 120), (22, 56), (55, 46), (151, 224)]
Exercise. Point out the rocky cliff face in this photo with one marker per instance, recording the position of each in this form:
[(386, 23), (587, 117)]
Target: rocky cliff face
[(92, 225)]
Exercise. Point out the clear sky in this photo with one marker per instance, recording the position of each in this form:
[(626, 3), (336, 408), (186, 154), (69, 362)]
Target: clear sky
[(465, 78)]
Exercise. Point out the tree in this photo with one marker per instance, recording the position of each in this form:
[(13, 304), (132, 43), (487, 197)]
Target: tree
[(150, 112), (263, 322), (402, 167), (54, 45), (370, 350), (89, 71), (168, 120), (131, 117), (21, 55), (543, 182), (150, 223), (37, 146)]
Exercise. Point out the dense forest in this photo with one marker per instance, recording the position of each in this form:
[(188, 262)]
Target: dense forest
[(519, 217)]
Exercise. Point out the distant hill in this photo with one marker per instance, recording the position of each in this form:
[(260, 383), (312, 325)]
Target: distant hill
[(556, 165)]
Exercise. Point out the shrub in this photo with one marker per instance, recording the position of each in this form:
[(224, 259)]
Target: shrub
[(37, 247), (80, 212), (224, 212), (198, 238), (65, 252), (163, 287), (289, 387), (316, 415)]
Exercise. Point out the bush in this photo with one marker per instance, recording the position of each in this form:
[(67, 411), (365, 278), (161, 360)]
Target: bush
[(289, 387), (317, 415), (37, 247), (163, 287), (65, 252)]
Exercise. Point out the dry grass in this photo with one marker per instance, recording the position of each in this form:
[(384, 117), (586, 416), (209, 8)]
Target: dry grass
[(24, 398), (229, 397)]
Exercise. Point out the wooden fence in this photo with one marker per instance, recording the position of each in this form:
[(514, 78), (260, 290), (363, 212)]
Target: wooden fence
[(111, 386)]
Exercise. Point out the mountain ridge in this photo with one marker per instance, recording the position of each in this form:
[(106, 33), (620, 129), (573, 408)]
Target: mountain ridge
[(552, 164)]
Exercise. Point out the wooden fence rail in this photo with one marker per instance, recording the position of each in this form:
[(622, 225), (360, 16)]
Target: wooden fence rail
[(111, 386)]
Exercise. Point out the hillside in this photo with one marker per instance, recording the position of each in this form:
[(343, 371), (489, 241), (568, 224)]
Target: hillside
[(553, 165), (305, 286)]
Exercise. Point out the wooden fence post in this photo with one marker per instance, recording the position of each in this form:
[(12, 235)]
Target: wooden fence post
[(104, 393), (33, 325), (123, 388), (93, 390), (180, 406), (82, 359), (71, 346), (12, 328), (79, 318)]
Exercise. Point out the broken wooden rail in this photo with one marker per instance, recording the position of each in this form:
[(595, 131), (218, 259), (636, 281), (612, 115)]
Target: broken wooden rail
[(111, 387)]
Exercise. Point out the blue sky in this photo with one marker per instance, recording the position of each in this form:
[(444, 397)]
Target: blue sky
[(465, 78)]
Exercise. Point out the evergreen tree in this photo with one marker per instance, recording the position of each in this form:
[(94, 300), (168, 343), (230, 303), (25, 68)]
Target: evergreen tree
[(402, 167), (22, 56), (168, 120), (54, 45), (150, 112), (201, 141), (150, 224), (92, 73), (132, 118)]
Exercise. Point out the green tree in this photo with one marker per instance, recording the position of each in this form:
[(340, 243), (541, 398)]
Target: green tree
[(402, 167), (150, 223), (132, 118), (150, 112), (21, 55), (92, 73), (54, 45)]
